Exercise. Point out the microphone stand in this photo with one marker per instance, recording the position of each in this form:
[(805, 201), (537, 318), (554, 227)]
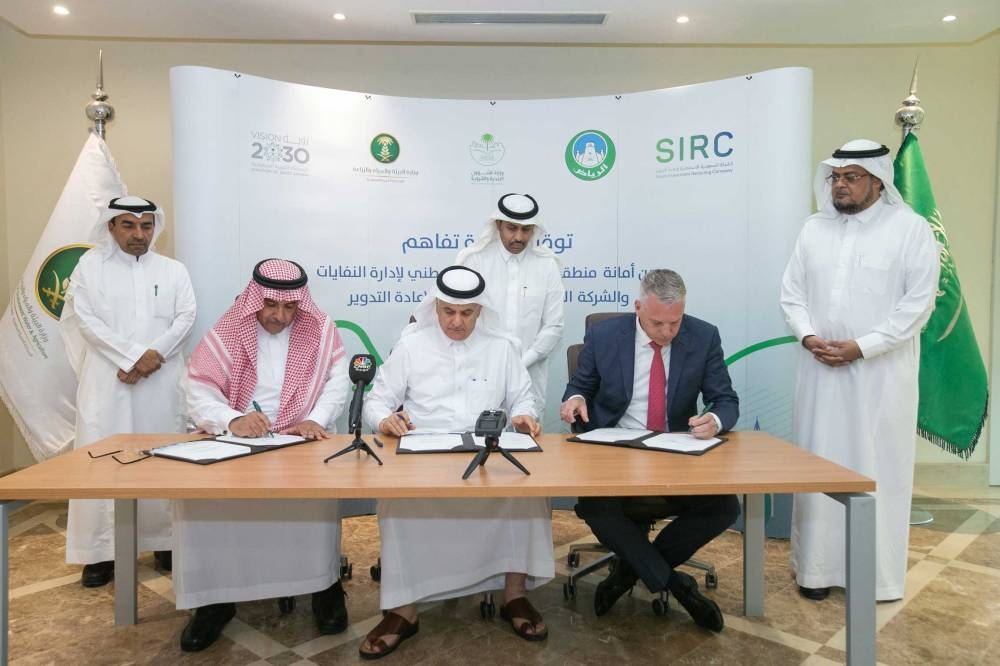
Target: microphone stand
[(357, 445), (492, 444)]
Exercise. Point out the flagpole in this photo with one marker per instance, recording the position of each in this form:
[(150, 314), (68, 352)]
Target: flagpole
[(909, 117), (98, 110)]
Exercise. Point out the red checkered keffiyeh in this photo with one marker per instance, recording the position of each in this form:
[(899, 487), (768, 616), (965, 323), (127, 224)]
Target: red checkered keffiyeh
[(226, 358)]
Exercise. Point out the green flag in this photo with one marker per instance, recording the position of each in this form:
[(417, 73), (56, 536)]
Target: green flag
[(954, 393)]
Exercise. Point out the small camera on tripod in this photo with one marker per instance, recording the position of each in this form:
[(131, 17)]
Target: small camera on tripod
[(490, 424)]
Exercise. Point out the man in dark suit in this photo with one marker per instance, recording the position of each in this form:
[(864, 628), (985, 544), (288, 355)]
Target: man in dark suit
[(646, 372)]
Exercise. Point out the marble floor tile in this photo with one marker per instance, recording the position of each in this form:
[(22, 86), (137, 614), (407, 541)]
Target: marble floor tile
[(951, 614)]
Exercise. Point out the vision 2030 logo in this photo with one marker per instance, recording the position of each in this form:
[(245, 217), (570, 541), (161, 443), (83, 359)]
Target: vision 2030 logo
[(590, 155), (52, 278), (278, 149), (385, 148)]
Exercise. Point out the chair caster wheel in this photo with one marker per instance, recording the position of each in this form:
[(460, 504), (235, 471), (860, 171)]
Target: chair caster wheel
[(711, 581), (573, 560), (487, 610), (376, 573), (660, 607), (286, 605)]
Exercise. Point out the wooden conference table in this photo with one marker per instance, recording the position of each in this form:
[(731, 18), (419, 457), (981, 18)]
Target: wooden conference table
[(750, 464)]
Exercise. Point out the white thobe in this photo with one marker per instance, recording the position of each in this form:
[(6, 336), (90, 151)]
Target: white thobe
[(439, 549), (527, 291), (872, 278), (117, 307), (240, 550)]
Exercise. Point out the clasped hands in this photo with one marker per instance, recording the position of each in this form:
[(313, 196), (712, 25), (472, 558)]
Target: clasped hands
[(398, 424), (835, 353), (256, 424), (148, 363)]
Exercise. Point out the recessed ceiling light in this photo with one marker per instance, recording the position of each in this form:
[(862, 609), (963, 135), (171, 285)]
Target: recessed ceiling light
[(949, 18), (339, 17), (683, 19), (60, 10)]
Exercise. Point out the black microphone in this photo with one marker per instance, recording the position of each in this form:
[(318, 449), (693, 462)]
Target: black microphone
[(362, 372)]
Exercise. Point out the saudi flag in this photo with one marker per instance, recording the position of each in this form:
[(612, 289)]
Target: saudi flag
[(36, 381), (954, 393)]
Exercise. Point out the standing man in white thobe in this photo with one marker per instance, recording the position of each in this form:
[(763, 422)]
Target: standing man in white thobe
[(274, 348), (523, 283), (128, 311), (447, 368), (860, 285)]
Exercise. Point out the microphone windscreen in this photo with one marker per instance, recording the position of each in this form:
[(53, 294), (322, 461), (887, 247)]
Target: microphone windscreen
[(362, 368)]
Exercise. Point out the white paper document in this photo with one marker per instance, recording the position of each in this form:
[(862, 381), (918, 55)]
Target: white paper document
[(682, 442), (606, 435), (512, 441), (440, 441), (208, 449), (277, 440)]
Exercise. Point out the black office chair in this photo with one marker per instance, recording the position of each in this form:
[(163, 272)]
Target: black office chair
[(646, 512)]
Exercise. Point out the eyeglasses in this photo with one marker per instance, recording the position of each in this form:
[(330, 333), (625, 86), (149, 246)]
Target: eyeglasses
[(849, 178)]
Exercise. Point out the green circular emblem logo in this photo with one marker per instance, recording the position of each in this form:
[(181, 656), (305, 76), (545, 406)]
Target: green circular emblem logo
[(52, 279), (385, 148), (590, 154)]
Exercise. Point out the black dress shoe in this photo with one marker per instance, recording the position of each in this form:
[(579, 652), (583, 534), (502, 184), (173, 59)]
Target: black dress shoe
[(98, 574), (609, 590), (329, 609), (814, 593), (703, 611), (164, 559), (205, 626)]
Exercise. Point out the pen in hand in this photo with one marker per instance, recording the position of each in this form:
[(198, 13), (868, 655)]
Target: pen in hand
[(704, 410), (261, 411)]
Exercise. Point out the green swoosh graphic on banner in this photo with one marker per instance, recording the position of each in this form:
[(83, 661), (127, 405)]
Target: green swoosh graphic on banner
[(360, 332), (764, 344)]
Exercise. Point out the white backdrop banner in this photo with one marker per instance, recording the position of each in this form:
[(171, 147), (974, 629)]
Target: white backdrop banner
[(374, 194)]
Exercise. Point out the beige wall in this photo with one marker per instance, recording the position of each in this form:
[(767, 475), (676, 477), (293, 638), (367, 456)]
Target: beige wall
[(44, 84)]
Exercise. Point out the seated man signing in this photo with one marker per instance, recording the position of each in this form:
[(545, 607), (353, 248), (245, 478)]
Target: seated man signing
[(276, 350), (646, 372), (448, 366)]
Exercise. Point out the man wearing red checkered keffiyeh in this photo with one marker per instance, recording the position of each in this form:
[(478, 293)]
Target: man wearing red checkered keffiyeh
[(276, 350)]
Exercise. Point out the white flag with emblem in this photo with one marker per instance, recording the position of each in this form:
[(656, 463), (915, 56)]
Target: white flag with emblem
[(36, 381)]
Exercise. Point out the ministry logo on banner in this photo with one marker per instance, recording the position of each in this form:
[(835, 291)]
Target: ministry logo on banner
[(279, 154), (590, 155), (385, 149), (487, 152)]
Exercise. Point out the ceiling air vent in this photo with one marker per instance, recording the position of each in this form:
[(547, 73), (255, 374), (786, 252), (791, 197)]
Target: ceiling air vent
[(510, 18)]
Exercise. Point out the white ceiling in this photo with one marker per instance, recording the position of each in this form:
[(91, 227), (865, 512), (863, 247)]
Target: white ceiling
[(628, 22)]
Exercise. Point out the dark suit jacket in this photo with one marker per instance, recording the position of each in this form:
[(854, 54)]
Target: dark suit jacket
[(604, 373)]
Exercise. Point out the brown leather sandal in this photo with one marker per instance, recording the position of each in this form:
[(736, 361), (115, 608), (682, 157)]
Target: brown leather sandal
[(521, 609), (392, 623)]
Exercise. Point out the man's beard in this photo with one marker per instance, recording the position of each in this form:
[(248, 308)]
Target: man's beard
[(852, 207)]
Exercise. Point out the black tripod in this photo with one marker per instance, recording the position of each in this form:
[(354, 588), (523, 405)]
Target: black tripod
[(357, 445), (492, 444)]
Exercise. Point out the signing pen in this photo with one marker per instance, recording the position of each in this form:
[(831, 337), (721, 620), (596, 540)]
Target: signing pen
[(704, 410), (261, 411)]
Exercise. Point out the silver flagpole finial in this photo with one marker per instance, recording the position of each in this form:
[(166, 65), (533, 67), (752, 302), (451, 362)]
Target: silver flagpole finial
[(99, 111), (910, 116)]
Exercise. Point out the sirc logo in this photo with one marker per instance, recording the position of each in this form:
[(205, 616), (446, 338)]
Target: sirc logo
[(590, 155), (693, 147)]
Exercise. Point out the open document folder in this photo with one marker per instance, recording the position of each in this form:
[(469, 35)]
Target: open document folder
[(223, 447), (675, 442), (447, 442)]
